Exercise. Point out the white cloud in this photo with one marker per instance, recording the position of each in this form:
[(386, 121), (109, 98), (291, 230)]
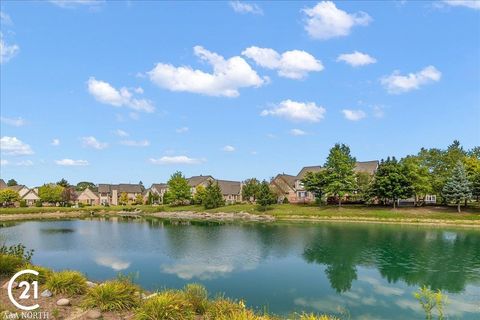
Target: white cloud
[(71, 162), (294, 64), (7, 51), (175, 160), (228, 148), (297, 111), (16, 122), (133, 143), (378, 112), (105, 93), (182, 130), (14, 147), (5, 19), (3, 162), (138, 90), (325, 21), (227, 78), (76, 3), (92, 142), (55, 142), (24, 163), (354, 115), (121, 133), (472, 4), (396, 83), (356, 59), (242, 7), (297, 132)]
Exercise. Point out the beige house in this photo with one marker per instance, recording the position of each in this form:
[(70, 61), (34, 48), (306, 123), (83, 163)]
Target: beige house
[(109, 194), (88, 197), (291, 187), (31, 197), (231, 191), (200, 180)]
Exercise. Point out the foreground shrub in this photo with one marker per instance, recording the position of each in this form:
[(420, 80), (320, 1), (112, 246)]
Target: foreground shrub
[(67, 282), (113, 295), (9, 264), (312, 316), (18, 250), (43, 273), (197, 295), (166, 305), (223, 308)]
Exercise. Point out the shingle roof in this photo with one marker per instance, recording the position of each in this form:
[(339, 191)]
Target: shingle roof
[(196, 180), (16, 188), (229, 187), (122, 187), (3, 185), (304, 171), (284, 181), (366, 166), (159, 186)]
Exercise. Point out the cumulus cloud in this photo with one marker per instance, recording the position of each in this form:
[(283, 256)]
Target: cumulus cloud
[(92, 142), (472, 4), (243, 7), (14, 146), (55, 142), (229, 75), (105, 93), (297, 132), (15, 122), (133, 143), (7, 51), (356, 59), (71, 162), (325, 21), (229, 148), (121, 133), (297, 111), (294, 64), (182, 130), (397, 83), (354, 115), (175, 160)]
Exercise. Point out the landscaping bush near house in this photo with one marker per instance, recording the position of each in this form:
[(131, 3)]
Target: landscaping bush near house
[(67, 282), (43, 274), (115, 295), (166, 305), (197, 295), (9, 264)]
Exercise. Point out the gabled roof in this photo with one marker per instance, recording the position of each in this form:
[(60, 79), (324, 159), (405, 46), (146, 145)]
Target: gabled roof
[(17, 187), (196, 180), (229, 187), (366, 166), (122, 187), (304, 171), (3, 185), (284, 182), (33, 192), (159, 186)]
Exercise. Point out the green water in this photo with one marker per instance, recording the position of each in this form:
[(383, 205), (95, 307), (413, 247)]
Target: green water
[(367, 271)]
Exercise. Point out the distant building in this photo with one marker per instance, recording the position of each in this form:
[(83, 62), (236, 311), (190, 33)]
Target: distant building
[(110, 193)]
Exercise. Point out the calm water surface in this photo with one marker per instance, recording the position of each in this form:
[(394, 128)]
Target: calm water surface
[(369, 271)]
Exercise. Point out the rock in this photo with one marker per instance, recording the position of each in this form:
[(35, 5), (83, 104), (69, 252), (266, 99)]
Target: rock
[(46, 293), (94, 314), (14, 285), (91, 284), (63, 302)]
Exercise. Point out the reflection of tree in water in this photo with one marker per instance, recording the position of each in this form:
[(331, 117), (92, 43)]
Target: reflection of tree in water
[(416, 256)]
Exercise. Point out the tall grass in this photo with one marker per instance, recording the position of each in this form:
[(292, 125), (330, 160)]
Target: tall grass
[(67, 282), (9, 264), (197, 295), (166, 305), (115, 295)]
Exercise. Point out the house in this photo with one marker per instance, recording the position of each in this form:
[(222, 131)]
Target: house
[(231, 191), (109, 194), (200, 180), (3, 185), (20, 188), (31, 197), (291, 187), (156, 189), (88, 197)]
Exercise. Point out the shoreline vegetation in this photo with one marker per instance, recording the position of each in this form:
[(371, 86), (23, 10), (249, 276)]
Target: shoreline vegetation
[(428, 215)]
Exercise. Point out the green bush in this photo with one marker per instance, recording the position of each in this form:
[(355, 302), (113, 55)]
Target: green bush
[(18, 250), (197, 295), (23, 203), (43, 273), (67, 282), (223, 308), (115, 295), (9, 264), (166, 305), (38, 204)]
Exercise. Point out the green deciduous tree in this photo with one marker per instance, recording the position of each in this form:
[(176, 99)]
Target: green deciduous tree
[(213, 196), (84, 185), (139, 199), (250, 189), (418, 175), (391, 182), (364, 180), (178, 189), (199, 196), (7, 197), (12, 182), (339, 172), (123, 200), (315, 183), (457, 187), (51, 193), (265, 197)]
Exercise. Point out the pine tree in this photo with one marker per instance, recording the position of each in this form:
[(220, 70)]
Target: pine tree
[(457, 188), (213, 197), (265, 196)]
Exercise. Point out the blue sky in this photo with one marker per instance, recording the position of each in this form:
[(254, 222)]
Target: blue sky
[(125, 91)]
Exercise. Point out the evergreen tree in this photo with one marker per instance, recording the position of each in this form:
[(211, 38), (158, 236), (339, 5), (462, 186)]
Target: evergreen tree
[(64, 183), (340, 176), (178, 189), (213, 197), (391, 182), (457, 188), (315, 182), (12, 182), (265, 196), (250, 189)]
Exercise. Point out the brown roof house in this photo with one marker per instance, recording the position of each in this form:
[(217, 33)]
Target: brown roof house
[(291, 187), (88, 197), (157, 189), (231, 191), (3, 185), (110, 193)]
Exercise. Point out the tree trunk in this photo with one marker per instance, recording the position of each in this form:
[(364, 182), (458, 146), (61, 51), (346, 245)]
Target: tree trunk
[(458, 207)]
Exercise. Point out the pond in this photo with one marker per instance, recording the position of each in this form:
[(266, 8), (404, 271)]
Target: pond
[(368, 271)]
